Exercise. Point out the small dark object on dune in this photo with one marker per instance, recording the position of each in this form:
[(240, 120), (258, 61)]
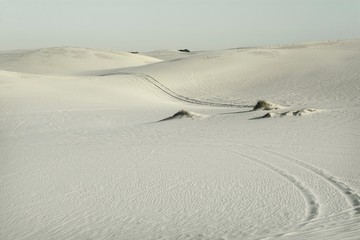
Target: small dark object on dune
[(184, 50), (180, 114), (268, 115), (262, 104), (303, 112), (134, 52)]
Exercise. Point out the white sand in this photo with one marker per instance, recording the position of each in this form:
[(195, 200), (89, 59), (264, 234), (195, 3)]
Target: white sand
[(69, 60), (84, 156)]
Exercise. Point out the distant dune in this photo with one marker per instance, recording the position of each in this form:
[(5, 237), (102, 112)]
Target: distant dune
[(170, 54), (69, 60)]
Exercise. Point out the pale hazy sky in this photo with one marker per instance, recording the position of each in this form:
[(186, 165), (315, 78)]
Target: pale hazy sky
[(143, 25)]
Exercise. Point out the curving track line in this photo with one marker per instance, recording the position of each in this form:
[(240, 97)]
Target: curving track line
[(312, 205), (180, 97), (350, 195)]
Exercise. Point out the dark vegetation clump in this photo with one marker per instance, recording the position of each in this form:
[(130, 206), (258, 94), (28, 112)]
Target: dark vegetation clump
[(182, 113), (134, 52), (268, 115), (262, 104), (184, 50), (178, 115)]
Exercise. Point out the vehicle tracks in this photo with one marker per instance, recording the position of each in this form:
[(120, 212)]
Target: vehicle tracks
[(175, 95), (349, 194), (312, 210)]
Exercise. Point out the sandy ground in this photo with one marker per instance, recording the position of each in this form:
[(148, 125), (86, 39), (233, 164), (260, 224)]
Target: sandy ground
[(85, 155)]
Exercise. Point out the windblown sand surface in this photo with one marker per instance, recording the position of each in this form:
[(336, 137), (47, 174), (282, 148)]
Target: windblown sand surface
[(85, 153)]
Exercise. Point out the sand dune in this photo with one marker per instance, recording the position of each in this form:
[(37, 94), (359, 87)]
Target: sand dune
[(84, 155), (171, 54), (68, 60), (315, 74)]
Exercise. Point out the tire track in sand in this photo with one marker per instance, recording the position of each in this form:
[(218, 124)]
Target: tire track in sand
[(349, 194), (170, 92), (175, 95), (312, 209)]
